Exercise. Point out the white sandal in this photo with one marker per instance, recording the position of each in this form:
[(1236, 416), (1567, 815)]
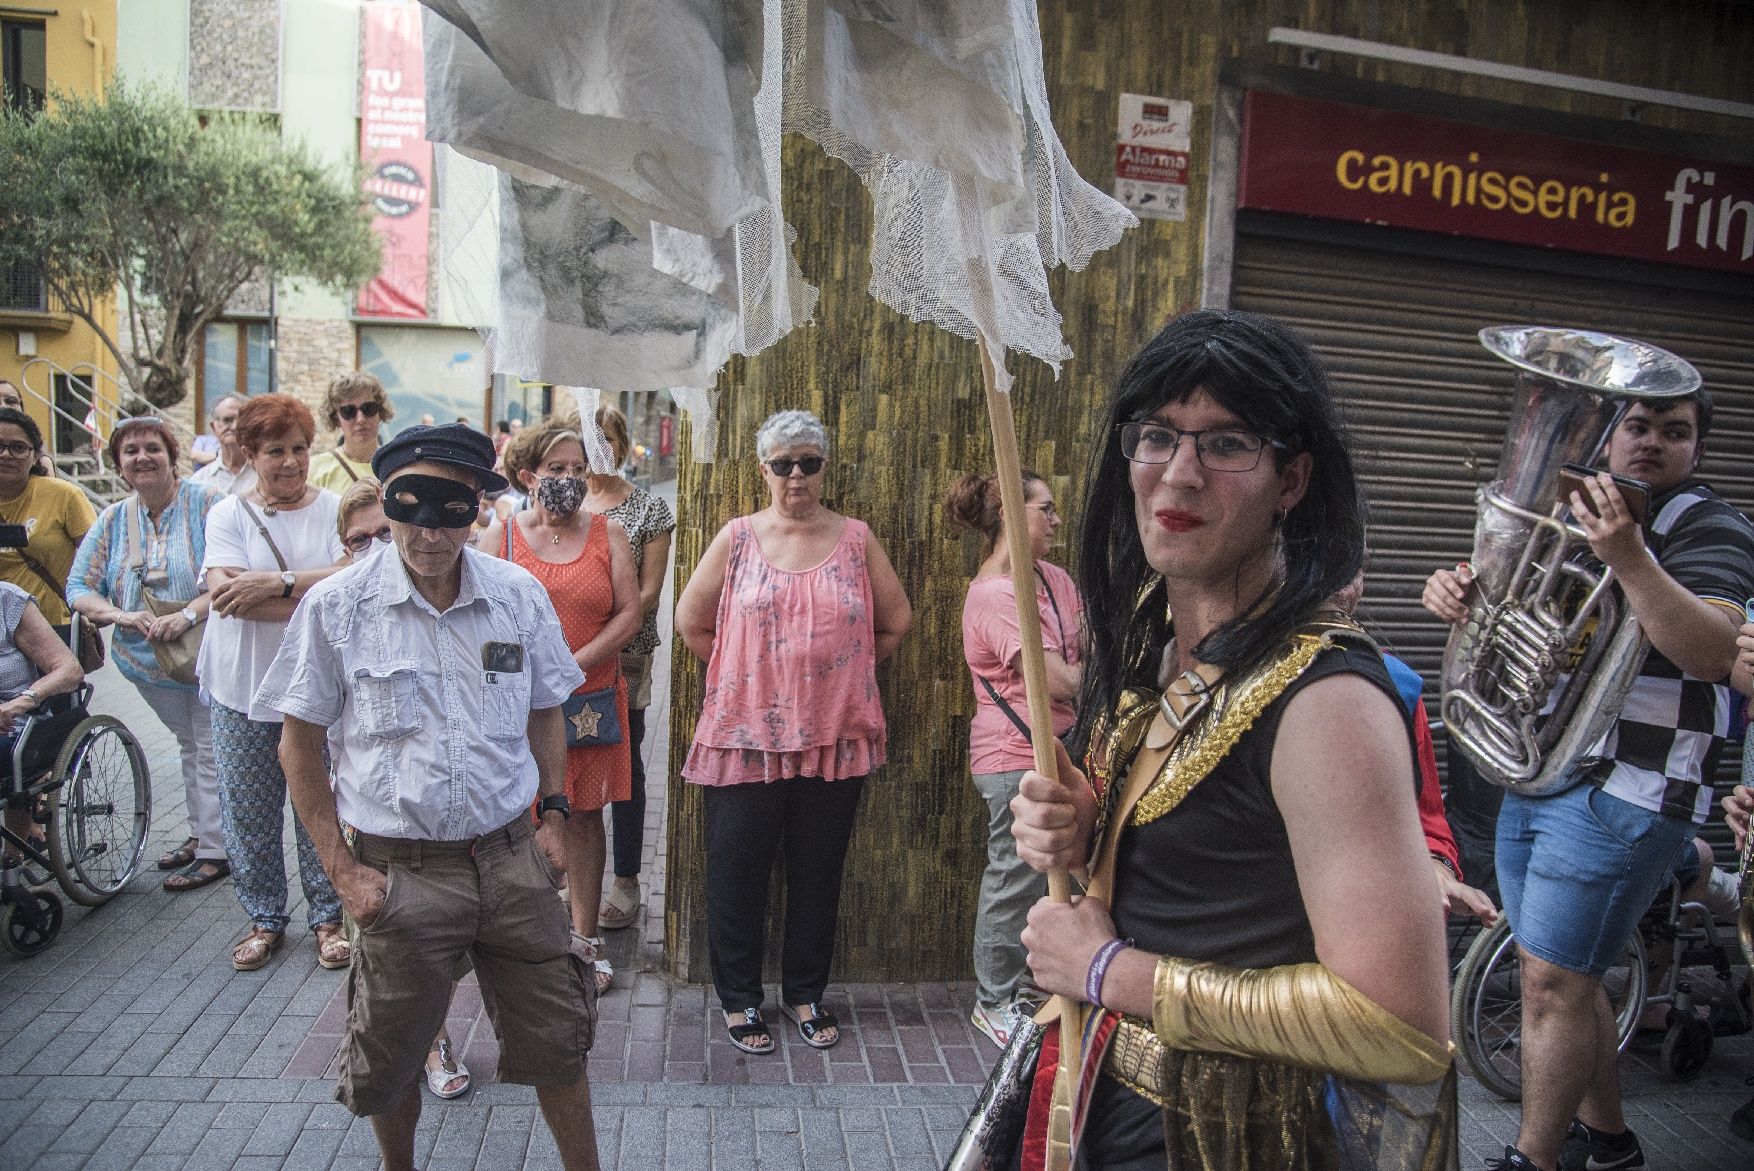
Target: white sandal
[(600, 967), (449, 1070)]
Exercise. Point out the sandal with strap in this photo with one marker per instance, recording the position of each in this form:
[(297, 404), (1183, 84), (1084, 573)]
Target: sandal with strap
[(752, 1026), (179, 857), (813, 1026), (196, 874), (333, 949), (620, 907), (256, 949), (600, 967), (451, 1077)]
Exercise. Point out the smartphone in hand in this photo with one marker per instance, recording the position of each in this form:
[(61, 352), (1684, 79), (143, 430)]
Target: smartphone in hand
[(1636, 493)]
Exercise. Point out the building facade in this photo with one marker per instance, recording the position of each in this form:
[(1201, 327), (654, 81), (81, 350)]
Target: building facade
[(344, 77), (46, 351)]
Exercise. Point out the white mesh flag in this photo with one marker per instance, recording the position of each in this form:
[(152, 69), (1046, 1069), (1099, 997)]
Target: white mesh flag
[(627, 263)]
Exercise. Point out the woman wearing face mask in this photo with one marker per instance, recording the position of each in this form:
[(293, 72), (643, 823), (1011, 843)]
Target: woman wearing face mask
[(586, 564)]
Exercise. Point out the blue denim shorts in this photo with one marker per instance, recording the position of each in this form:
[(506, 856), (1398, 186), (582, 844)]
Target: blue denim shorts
[(1576, 871)]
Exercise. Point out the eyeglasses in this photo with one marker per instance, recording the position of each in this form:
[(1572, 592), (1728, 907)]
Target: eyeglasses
[(18, 449), (370, 410), (1047, 508), (1220, 449), (360, 542), (809, 465)]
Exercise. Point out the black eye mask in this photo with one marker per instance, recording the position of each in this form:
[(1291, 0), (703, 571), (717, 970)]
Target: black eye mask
[(432, 502)]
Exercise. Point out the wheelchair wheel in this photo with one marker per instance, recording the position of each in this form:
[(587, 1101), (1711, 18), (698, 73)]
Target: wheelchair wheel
[(28, 930), (1486, 1006), (102, 810), (1686, 1048)]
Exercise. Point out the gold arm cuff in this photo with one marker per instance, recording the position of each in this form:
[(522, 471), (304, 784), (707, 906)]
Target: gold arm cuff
[(1298, 1013)]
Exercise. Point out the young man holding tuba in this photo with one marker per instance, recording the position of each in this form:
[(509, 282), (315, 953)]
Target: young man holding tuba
[(1577, 867)]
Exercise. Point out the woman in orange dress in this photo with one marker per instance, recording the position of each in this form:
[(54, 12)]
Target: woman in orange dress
[(585, 564)]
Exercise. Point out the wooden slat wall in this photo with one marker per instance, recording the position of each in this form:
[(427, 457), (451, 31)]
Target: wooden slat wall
[(1427, 404), (902, 400)]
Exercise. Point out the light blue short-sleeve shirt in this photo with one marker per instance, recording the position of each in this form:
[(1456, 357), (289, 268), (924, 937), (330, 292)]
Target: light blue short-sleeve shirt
[(426, 741)]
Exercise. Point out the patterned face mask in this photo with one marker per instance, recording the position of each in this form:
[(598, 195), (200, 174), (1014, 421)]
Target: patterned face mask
[(560, 495)]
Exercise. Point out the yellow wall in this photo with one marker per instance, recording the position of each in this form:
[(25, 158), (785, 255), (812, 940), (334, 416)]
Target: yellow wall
[(81, 51)]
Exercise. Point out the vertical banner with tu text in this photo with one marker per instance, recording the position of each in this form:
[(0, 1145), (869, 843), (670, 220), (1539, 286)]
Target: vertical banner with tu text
[(397, 158)]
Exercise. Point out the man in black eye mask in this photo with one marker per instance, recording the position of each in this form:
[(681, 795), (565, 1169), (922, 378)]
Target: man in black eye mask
[(441, 672)]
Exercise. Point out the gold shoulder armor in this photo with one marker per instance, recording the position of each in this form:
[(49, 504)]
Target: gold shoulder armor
[(1116, 736)]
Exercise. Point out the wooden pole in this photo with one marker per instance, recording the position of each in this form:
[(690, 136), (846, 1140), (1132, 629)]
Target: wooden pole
[(1035, 675)]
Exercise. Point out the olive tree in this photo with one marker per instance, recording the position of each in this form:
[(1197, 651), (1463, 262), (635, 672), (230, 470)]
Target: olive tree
[(136, 195)]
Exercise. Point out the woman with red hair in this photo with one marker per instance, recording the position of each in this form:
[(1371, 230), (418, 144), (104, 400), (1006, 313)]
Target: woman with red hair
[(265, 550)]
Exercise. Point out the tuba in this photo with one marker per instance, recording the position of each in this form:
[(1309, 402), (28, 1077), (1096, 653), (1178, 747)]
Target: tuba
[(1541, 667)]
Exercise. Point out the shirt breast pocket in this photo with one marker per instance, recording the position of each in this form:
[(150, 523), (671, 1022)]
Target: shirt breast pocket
[(505, 704), (387, 699)]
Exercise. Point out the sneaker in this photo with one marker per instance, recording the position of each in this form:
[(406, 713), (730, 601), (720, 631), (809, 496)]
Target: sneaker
[(1588, 1149), (994, 1024), (1742, 1121), (1514, 1160)]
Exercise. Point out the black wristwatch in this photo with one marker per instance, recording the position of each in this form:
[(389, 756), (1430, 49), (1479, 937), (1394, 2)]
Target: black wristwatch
[(557, 803)]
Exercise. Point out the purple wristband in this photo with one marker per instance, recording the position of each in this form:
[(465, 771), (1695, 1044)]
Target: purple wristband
[(1099, 969)]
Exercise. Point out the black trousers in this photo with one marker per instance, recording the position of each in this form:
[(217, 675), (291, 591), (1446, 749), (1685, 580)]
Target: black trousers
[(627, 819), (811, 821)]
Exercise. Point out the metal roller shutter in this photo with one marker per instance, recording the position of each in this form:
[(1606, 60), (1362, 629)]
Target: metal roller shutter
[(1427, 405)]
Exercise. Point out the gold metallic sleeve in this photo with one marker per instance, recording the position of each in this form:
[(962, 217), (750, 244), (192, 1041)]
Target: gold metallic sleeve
[(1298, 1013)]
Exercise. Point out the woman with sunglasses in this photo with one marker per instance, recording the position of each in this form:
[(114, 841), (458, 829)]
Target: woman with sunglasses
[(999, 746), (1262, 943), (155, 540), (791, 609), (354, 405)]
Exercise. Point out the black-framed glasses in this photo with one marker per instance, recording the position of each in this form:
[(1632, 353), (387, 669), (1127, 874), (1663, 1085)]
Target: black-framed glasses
[(1220, 449), (18, 449), (359, 542), (782, 466), (370, 410)]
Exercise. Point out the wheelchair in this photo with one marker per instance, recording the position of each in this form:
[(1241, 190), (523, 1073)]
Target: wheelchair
[(1486, 1005), (85, 779)]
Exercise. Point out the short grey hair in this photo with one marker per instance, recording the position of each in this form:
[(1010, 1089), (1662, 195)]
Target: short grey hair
[(790, 429), (213, 407)]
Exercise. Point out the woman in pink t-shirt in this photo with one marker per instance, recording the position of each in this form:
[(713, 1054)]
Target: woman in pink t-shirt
[(999, 750), (792, 609)]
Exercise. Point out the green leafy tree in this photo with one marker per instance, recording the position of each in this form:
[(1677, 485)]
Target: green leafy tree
[(136, 192)]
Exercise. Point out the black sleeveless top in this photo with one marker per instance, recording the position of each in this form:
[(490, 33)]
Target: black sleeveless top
[(1213, 879)]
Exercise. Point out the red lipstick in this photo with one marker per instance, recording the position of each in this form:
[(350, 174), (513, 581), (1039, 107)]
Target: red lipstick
[(1177, 521)]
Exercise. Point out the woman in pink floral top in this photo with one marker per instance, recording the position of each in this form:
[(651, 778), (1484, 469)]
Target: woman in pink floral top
[(792, 609)]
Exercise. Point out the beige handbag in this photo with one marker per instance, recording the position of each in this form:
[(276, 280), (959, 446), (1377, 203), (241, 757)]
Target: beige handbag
[(176, 658)]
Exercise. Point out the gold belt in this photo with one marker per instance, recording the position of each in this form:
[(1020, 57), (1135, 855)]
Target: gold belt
[(1135, 1059)]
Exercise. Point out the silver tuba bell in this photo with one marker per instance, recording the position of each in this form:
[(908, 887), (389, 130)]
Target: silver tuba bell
[(1540, 669)]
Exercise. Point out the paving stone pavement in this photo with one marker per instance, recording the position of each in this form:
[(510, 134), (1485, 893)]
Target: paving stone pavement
[(131, 1043)]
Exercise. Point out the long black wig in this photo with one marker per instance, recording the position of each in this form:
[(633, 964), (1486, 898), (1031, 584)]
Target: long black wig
[(1270, 379)]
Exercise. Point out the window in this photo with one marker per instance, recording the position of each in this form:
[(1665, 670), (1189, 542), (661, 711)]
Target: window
[(21, 287), (24, 65), (234, 359)]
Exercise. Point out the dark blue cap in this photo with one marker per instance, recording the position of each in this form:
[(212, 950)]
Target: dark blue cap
[(456, 444)]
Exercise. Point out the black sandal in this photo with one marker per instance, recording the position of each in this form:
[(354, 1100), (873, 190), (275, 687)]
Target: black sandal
[(812, 1026), (179, 858), (752, 1026), (194, 876)]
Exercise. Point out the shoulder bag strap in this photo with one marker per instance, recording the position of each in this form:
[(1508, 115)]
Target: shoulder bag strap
[(345, 466), (136, 550), (262, 527), (1010, 712), (36, 567)]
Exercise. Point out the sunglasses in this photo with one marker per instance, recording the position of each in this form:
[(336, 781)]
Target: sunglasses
[(369, 410), (809, 465), (360, 542)]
